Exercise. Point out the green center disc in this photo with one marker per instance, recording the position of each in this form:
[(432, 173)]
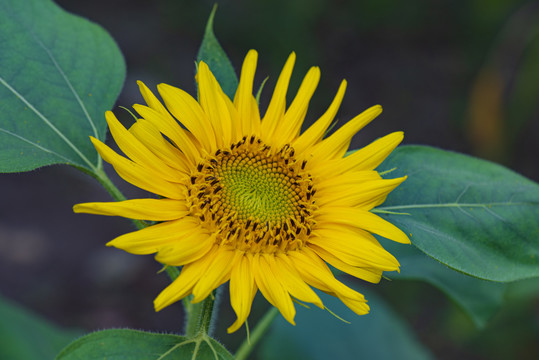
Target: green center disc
[(258, 191)]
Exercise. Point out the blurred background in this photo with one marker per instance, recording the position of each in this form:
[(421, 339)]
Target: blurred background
[(459, 75)]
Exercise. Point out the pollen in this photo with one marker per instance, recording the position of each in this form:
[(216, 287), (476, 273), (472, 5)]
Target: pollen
[(256, 198)]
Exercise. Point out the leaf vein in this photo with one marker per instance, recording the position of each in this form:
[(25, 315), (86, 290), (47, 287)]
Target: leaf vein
[(69, 85), (48, 123), (457, 205), (36, 145)]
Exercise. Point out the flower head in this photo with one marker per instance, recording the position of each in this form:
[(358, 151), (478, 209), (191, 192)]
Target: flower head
[(250, 200)]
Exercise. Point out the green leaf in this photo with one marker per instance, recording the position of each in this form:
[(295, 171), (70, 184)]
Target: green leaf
[(124, 344), (59, 73), (213, 54), (24, 336), (480, 299), (319, 335), (475, 216)]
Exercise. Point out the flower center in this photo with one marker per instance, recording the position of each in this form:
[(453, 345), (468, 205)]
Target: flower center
[(255, 198)]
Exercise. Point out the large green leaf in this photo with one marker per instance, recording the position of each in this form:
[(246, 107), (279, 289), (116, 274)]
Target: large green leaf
[(124, 344), (318, 335), (59, 73), (213, 54), (473, 215), (24, 336), (480, 299)]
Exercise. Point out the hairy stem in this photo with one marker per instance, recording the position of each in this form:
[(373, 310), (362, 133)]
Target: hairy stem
[(199, 317)]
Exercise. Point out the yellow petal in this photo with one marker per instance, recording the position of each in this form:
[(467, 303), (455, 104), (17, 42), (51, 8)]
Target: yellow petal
[(372, 155), (179, 288), (362, 219), (184, 283), (141, 209), (316, 131), (219, 272), (271, 288), (172, 130), (332, 182), (366, 194), (136, 151), (186, 249), (255, 118), (153, 238), (336, 145), (242, 292), (212, 101), (316, 273), (244, 94), (370, 274), (166, 124), (367, 158), (289, 127), (360, 307), (138, 175), (151, 99), (277, 105), (148, 134), (292, 281), (188, 111), (236, 131), (354, 248)]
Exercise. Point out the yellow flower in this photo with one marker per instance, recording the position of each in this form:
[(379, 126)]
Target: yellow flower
[(250, 200)]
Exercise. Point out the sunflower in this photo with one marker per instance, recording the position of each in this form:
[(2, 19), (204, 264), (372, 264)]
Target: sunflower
[(250, 200)]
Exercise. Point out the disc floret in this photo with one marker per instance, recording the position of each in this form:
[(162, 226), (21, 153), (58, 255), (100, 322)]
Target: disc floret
[(257, 199)]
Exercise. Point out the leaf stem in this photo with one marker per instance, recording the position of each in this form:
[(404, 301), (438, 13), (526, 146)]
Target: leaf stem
[(199, 317), (116, 194), (173, 272), (104, 180), (260, 329)]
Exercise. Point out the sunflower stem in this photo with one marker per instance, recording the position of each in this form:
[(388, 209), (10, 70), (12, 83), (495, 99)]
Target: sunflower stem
[(199, 317), (173, 272), (263, 325), (104, 180)]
